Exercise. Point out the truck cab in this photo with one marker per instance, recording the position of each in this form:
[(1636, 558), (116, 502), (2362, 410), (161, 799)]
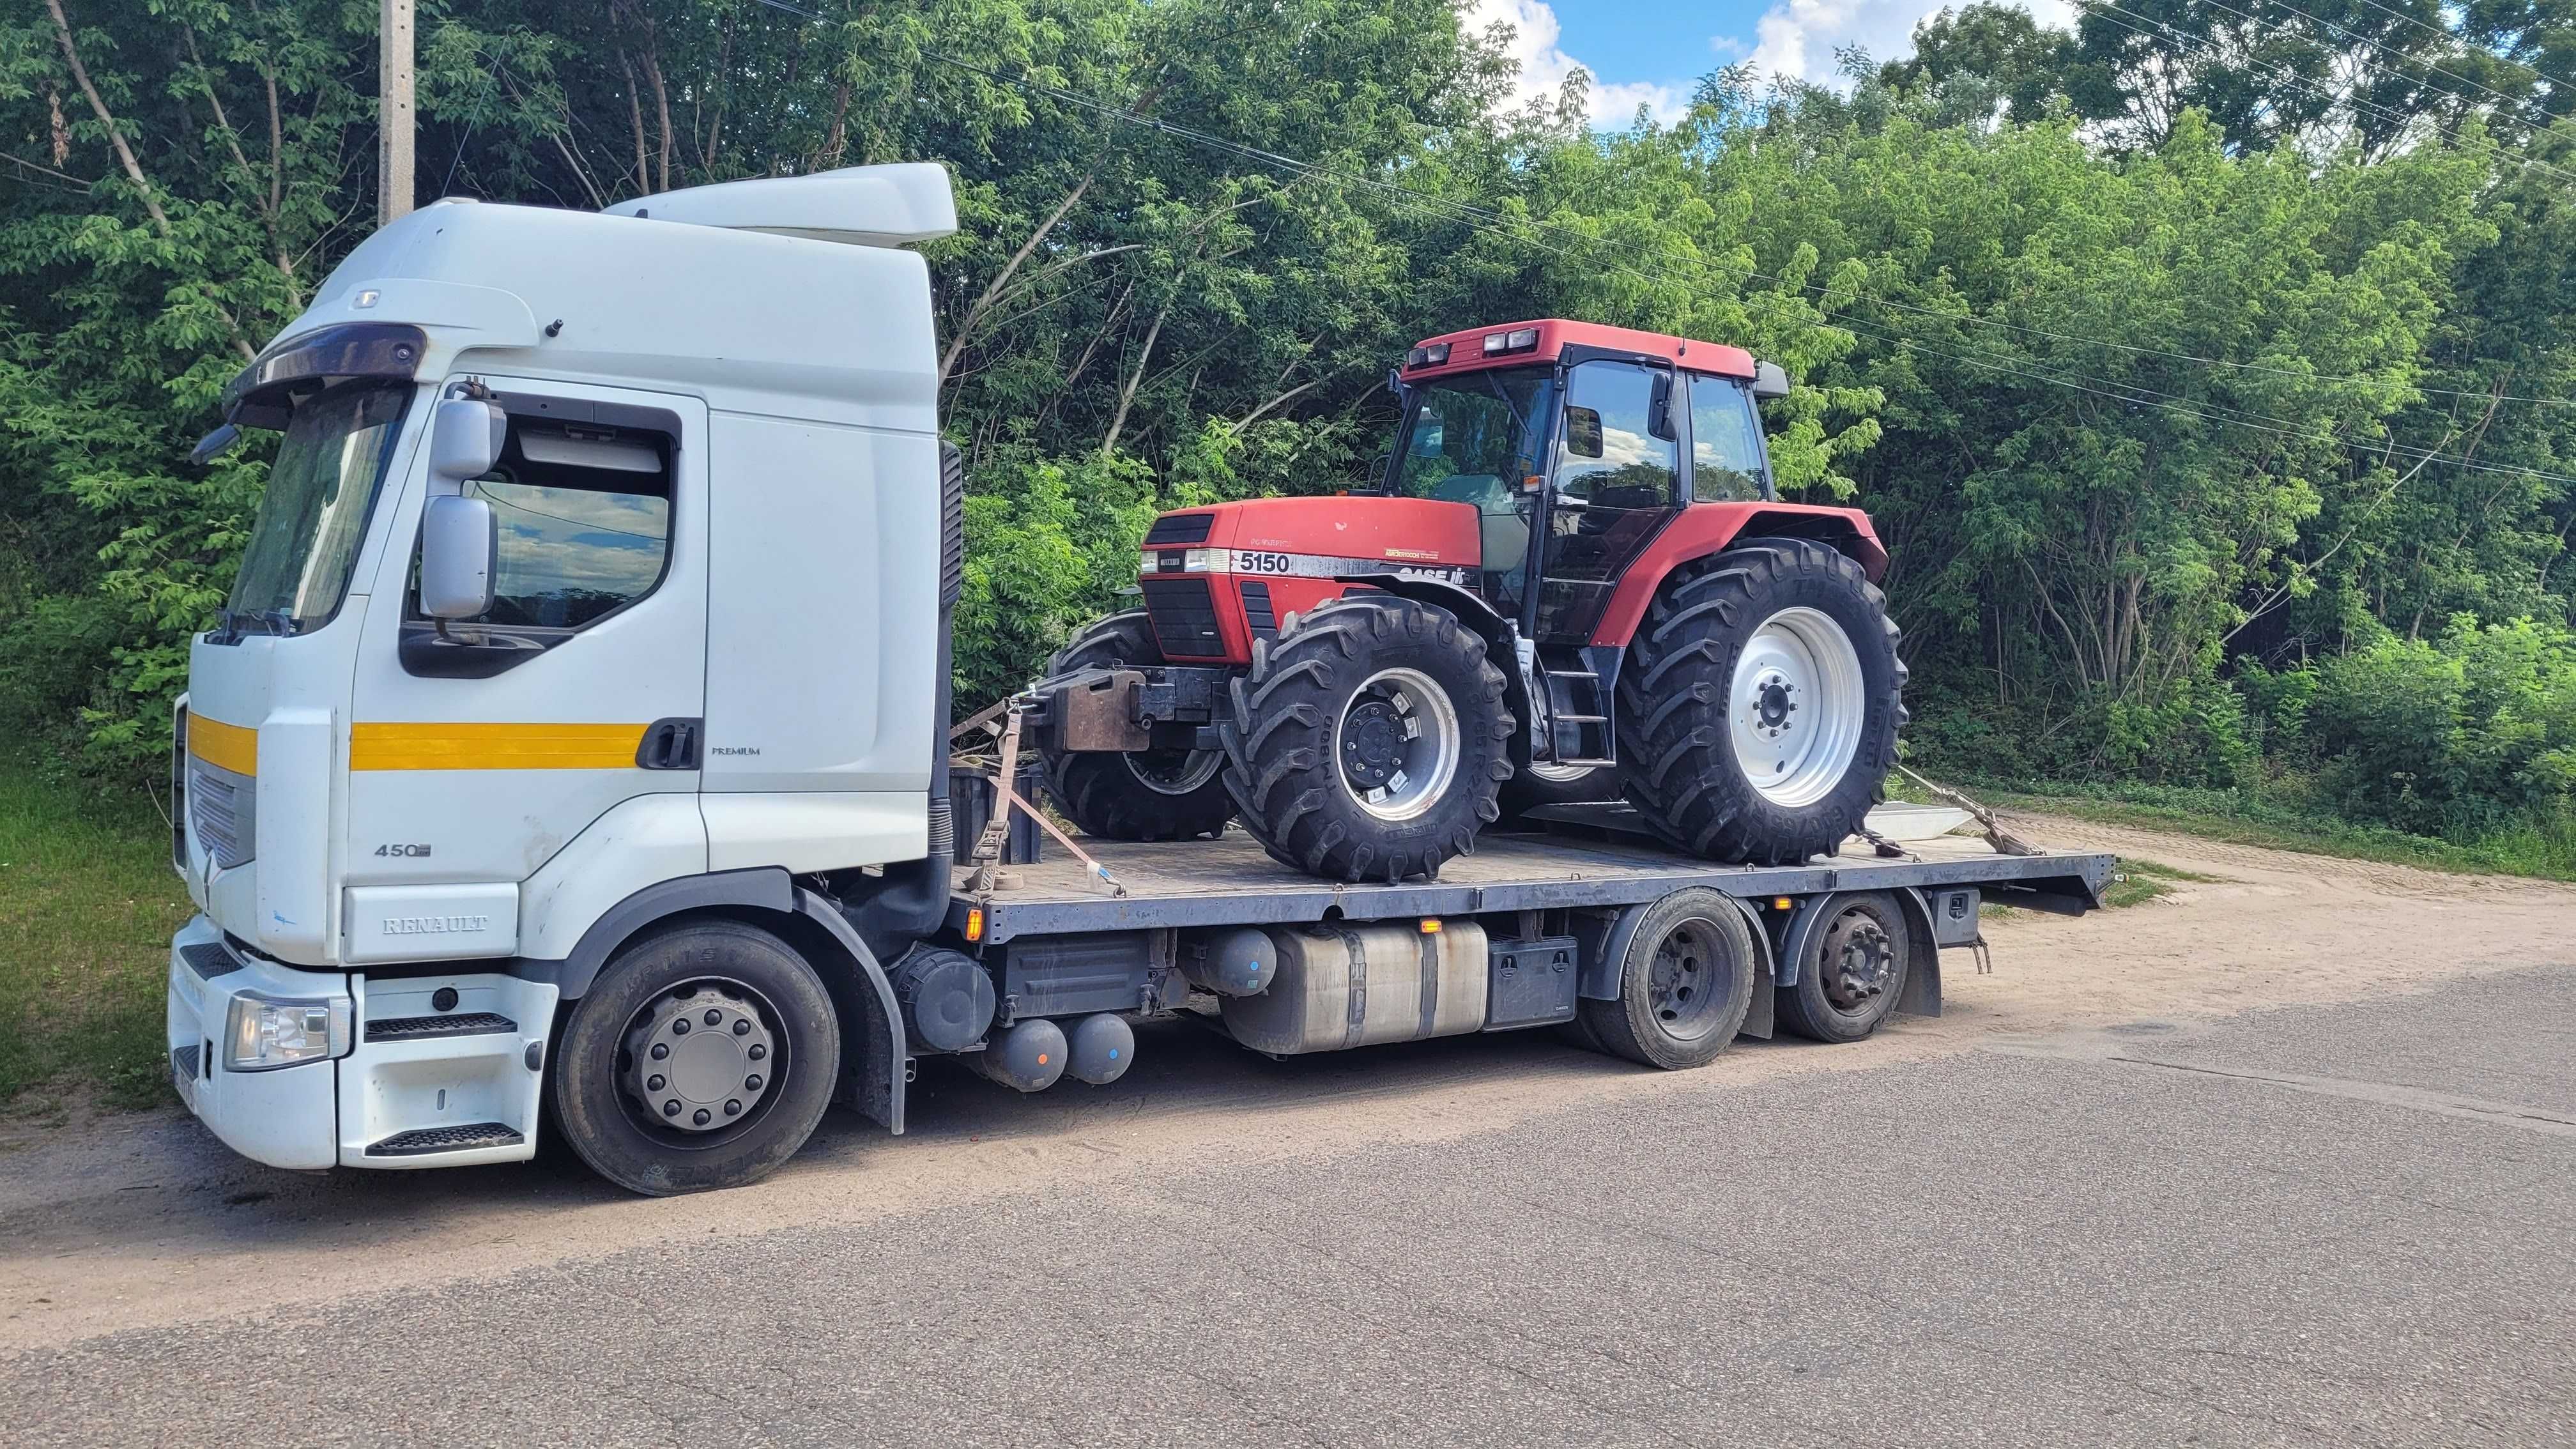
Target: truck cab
[(713, 534)]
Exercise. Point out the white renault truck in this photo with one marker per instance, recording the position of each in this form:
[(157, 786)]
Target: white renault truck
[(572, 755)]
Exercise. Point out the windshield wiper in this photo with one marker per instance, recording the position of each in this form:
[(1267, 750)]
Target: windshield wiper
[(277, 622)]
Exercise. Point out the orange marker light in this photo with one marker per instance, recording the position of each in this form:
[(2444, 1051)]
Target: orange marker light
[(1780, 904), (975, 924), (1431, 925)]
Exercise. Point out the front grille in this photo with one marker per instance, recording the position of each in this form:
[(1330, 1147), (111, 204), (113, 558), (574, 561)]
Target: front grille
[(220, 811), (1180, 528), (209, 960), (1257, 613), (1184, 615), (416, 1028)]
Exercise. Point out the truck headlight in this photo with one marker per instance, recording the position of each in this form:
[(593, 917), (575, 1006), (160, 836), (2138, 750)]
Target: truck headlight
[(268, 1032)]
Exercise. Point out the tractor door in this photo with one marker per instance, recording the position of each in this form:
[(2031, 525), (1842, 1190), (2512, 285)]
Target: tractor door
[(1616, 486)]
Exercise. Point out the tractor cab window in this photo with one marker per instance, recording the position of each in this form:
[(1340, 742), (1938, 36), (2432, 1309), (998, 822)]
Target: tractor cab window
[(1612, 456), (584, 518), (1726, 442), (1474, 437)]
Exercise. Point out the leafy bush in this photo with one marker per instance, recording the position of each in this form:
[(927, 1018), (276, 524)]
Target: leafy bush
[(2464, 735)]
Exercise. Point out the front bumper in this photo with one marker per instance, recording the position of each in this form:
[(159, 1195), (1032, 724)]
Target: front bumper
[(442, 1071)]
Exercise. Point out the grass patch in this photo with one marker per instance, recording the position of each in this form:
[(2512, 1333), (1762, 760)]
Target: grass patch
[(2137, 882), (2545, 852), (87, 905)]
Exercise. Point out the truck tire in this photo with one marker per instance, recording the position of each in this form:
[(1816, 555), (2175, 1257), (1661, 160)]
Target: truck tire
[(1151, 795), (1759, 705), (1685, 983), (1851, 973), (1368, 740), (702, 1057)]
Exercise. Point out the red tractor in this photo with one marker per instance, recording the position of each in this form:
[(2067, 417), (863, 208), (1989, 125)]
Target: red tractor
[(1569, 581)]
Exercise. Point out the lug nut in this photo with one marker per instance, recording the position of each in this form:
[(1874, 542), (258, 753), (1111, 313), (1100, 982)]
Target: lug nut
[(742, 1026), (653, 1083), (751, 1083), (680, 1027), (757, 1051), (661, 1049), (714, 1017), (733, 1109), (702, 1117), (671, 1108)]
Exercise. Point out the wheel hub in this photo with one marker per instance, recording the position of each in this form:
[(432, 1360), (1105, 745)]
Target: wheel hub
[(1685, 984), (1858, 959), (699, 1060), (1373, 739), (1398, 743)]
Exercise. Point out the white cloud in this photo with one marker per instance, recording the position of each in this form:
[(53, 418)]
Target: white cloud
[(1545, 65), (1799, 37)]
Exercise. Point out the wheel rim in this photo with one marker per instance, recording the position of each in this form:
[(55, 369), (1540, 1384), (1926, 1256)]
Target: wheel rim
[(1174, 772), (1797, 706), (1556, 774), (1689, 982), (700, 1063), (1858, 962), (1397, 743)]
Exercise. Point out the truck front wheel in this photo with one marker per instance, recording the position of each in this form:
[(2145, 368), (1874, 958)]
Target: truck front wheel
[(702, 1057)]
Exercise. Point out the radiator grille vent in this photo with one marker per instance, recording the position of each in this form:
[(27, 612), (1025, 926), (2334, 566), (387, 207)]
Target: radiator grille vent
[(220, 810), (1184, 615), (1180, 528)]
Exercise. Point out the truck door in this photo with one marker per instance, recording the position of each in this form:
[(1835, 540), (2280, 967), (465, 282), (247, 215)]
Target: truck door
[(480, 750), (1615, 487)]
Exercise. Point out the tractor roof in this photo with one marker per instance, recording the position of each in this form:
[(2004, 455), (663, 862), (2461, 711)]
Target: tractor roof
[(1467, 349)]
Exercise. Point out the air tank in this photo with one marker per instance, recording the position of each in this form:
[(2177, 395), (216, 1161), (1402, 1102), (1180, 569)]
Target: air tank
[(1099, 1049), (1347, 986), (1237, 962), (1029, 1056)]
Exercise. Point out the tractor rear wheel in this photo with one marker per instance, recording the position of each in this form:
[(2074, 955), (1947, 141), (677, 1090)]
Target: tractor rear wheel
[(1759, 705), (1148, 795), (1368, 740)]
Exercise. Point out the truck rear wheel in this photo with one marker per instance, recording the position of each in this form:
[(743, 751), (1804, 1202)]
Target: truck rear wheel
[(702, 1057), (1759, 705), (1852, 973), (1685, 983), (1147, 795), (1368, 741)]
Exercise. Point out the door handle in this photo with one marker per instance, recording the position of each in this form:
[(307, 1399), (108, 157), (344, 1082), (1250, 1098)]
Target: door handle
[(670, 744)]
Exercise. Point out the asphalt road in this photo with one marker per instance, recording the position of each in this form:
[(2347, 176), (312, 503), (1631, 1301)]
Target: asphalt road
[(2341, 1224)]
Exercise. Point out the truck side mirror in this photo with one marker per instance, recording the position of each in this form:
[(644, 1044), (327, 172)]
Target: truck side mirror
[(1770, 380), (460, 541), (465, 440)]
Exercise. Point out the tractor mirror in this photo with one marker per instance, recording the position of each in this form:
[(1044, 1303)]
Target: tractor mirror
[(1659, 412), (1428, 436), (1770, 380), (459, 544), (1583, 432)]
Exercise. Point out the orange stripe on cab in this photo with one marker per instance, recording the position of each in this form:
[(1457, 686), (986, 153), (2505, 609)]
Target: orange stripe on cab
[(224, 746), (494, 746)]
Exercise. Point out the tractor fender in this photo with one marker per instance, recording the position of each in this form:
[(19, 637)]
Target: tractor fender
[(1706, 528), (1471, 610)]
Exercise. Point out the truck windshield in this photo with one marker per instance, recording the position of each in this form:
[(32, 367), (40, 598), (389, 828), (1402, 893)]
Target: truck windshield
[(1474, 435), (322, 485)]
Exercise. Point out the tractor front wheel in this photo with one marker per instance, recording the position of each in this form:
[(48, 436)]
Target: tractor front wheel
[(1759, 705), (1368, 740), (1151, 794)]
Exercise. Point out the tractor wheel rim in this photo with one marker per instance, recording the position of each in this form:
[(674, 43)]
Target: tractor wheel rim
[(699, 1063), (1796, 707), (1687, 985), (1556, 774), (1174, 772), (1397, 743)]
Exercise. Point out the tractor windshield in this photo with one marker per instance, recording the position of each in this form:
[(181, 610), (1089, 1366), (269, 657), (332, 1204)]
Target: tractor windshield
[(1473, 437)]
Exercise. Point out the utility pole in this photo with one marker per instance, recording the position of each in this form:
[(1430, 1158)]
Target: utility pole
[(394, 120)]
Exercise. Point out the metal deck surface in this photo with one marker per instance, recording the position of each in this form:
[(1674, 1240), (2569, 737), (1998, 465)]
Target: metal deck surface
[(1230, 881)]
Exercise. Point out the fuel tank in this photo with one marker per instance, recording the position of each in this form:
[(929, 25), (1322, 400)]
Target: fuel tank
[(1217, 579), (1348, 986)]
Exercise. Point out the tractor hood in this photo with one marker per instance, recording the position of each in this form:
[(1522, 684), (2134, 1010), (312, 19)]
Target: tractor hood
[(1318, 537)]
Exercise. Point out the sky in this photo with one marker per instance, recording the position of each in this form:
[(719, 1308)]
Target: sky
[(1645, 53)]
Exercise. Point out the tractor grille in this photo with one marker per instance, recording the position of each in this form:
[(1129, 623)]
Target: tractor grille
[(1184, 615), (220, 811), (1180, 528)]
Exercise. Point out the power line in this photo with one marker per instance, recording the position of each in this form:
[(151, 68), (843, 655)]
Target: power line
[(2365, 40), (2523, 66), (1484, 220)]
